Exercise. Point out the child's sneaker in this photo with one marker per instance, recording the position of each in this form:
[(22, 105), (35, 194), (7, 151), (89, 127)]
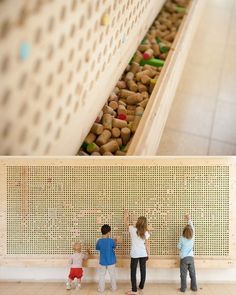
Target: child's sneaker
[(78, 286), (68, 286)]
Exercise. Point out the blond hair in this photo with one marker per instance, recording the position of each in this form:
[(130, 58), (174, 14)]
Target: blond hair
[(141, 226), (77, 247), (188, 232)]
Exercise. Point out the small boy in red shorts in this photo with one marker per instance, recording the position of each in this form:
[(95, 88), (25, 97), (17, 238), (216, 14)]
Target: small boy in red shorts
[(76, 270)]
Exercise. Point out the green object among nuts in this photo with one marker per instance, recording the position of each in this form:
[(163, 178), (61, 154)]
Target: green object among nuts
[(155, 62), (180, 9)]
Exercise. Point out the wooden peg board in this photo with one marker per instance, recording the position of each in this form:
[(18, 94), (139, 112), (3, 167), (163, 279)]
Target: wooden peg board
[(47, 205), (59, 61)]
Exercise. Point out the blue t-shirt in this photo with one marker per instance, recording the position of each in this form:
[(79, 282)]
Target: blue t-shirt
[(186, 245), (106, 247)]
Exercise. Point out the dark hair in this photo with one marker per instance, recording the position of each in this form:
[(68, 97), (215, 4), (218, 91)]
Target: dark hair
[(141, 226), (188, 232), (105, 229)]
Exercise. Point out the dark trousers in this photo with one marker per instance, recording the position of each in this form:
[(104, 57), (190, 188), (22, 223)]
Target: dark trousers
[(187, 264), (133, 270)]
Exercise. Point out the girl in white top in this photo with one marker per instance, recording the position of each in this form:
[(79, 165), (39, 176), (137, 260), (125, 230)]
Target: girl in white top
[(139, 250)]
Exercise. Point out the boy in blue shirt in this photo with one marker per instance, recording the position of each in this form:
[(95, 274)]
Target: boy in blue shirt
[(106, 246), (185, 245)]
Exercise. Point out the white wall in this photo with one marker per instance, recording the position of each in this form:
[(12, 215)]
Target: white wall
[(153, 275)]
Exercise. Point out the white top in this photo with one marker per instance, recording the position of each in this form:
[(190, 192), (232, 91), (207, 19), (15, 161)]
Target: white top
[(138, 248), (76, 259)]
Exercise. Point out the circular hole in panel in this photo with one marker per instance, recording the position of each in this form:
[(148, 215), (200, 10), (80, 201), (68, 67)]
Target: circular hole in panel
[(6, 97), (50, 52), (73, 5), (87, 56), (49, 79), (37, 5), (49, 103), (58, 133), (71, 54), (37, 92), (6, 130), (79, 88), (63, 13), (89, 11), (97, 74), (76, 106), (81, 22), (111, 42), (36, 117), (23, 135), (68, 100), (72, 30), (37, 65), (62, 41), (84, 97), (35, 144), (118, 16), (22, 80), (48, 127), (67, 119), (96, 24), (58, 115), (70, 75), (51, 24), (47, 148), (81, 43), (101, 38), (23, 109), (38, 35), (97, 5), (105, 50), (113, 22), (109, 58), (123, 9), (22, 16), (5, 64), (5, 28), (99, 57), (114, 5), (60, 67)]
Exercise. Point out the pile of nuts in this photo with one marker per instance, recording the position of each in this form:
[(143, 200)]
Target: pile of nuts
[(112, 132)]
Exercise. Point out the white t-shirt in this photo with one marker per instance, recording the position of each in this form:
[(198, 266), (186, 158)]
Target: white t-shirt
[(138, 248), (76, 259)]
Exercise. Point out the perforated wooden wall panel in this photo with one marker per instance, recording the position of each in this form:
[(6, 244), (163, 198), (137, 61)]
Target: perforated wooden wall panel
[(59, 61), (50, 204)]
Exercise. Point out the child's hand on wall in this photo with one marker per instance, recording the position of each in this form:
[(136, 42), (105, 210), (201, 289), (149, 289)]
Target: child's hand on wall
[(187, 217)]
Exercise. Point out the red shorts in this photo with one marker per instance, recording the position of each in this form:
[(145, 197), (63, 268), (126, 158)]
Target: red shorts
[(76, 273)]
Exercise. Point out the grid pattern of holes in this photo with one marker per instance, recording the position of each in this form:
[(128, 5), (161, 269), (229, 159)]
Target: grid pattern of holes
[(63, 56), (44, 200)]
